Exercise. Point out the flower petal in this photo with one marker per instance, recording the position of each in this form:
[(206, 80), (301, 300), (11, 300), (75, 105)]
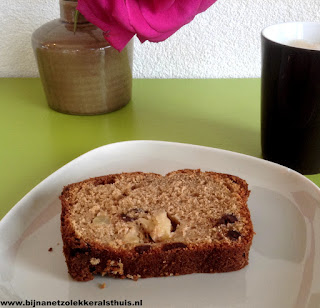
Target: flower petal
[(100, 13), (153, 20)]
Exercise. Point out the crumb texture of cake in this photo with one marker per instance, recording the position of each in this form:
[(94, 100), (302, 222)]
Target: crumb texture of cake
[(134, 225)]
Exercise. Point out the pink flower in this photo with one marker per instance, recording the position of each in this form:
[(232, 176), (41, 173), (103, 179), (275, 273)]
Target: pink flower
[(152, 20)]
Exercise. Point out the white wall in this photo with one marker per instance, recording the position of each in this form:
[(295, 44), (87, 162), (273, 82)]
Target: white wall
[(223, 42)]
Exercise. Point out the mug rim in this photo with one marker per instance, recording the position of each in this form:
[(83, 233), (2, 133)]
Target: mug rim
[(263, 33)]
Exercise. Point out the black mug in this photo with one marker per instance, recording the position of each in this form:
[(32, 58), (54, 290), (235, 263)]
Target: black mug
[(290, 95)]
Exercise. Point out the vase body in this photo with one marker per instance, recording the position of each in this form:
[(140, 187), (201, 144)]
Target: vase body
[(80, 72)]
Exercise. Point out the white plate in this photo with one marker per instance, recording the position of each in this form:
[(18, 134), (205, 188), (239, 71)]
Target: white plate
[(284, 266)]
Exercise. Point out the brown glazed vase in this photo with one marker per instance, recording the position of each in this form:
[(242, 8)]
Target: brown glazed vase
[(80, 72)]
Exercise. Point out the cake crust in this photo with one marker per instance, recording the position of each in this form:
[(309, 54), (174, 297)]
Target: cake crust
[(88, 257)]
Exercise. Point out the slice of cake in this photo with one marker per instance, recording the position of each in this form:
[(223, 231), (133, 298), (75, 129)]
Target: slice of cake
[(134, 225)]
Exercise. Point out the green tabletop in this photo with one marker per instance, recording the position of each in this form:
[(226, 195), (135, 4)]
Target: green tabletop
[(36, 141)]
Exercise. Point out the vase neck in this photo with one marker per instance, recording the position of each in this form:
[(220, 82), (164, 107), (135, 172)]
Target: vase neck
[(68, 12)]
